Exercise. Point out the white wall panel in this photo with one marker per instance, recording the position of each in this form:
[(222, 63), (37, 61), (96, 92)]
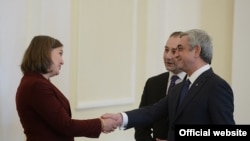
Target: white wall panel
[(106, 53), (12, 44), (163, 18), (240, 61), (20, 20)]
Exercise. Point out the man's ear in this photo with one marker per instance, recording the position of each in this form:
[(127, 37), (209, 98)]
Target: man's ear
[(197, 51)]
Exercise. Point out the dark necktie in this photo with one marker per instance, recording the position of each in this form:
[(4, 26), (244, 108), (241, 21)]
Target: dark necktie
[(184, 90), (172, 82)]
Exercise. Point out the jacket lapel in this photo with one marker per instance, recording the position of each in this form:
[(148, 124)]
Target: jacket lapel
[(193, 90)]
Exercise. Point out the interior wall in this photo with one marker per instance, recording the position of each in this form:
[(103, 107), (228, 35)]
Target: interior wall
[(154, 23), (12, 42), (163, 18), (240, 61), (217, 20), (20, 20)]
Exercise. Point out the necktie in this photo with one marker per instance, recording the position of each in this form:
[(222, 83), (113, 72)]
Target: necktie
[(172, 82), (184, 90)]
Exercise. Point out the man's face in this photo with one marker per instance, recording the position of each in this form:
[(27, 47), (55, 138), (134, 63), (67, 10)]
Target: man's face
[(168, 56), (185, 56)]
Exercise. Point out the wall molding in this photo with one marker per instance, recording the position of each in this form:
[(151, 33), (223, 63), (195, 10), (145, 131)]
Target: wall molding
[(89, 91)]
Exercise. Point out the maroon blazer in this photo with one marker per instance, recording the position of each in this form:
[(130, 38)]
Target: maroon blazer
[(45, 113)]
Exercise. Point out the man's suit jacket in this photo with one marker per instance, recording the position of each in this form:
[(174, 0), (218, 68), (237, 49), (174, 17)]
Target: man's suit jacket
[(45, 112), (154, 90), (209, 101)]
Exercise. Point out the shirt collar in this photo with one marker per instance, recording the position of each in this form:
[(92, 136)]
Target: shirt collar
[(181, 76), (198, 72)]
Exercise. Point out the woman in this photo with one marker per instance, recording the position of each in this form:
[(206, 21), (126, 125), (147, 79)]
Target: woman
[(43, 110)]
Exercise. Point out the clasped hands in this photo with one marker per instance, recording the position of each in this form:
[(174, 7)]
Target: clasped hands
[(110, 122)]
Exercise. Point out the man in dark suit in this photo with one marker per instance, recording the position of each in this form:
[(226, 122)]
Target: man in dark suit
[(156, 88), (208, 101)]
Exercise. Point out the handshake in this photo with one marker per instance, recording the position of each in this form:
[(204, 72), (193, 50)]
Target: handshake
[(110, 122)]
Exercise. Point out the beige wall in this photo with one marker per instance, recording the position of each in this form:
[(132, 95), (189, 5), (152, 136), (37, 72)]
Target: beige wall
[(217, 20), (154, 22), (148, 25), (111, 47), (240, 61)]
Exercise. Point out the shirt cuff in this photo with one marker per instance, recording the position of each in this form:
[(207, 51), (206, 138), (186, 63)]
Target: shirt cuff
[(124, 121)]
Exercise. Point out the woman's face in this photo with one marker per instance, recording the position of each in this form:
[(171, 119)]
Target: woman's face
[(57, 61)]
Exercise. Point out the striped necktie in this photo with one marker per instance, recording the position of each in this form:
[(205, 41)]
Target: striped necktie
[(172, 82)]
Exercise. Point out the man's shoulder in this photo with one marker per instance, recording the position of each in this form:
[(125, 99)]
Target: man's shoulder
[(164, 75)]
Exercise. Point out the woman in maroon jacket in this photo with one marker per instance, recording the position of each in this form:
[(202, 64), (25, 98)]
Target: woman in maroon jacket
[(43, 110)]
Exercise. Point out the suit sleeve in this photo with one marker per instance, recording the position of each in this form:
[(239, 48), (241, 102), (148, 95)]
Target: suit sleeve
[(55, 113), (221, 104), (143, 133), (147, 115)]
